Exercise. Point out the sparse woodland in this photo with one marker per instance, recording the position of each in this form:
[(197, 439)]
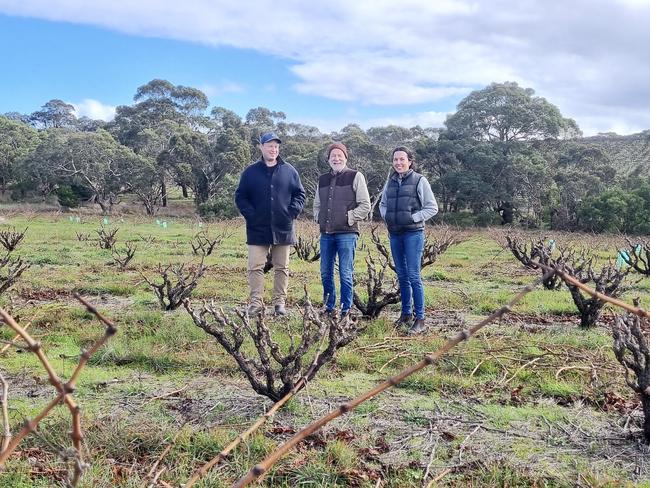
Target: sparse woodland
[(127, 357)]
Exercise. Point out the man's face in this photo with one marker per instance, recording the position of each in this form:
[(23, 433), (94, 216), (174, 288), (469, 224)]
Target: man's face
[(337, 160), (270, 150)]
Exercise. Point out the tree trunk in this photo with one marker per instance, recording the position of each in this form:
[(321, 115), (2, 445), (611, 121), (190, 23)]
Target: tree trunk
[(645, 401), (507, 213), (163, 190), (184, 188), (149, 207), (105, 206), (589, 315)]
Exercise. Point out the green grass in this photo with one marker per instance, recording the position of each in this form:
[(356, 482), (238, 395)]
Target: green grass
[(508, 378)]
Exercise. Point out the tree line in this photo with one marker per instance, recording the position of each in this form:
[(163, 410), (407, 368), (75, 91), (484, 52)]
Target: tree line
[(506, 156)]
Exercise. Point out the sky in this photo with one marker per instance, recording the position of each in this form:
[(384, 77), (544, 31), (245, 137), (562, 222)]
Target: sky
[(328, 64)]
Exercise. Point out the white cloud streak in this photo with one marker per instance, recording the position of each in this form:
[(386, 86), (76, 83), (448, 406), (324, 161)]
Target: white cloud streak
[(589, 57), (423, 119), (94, 109), (222, 88)]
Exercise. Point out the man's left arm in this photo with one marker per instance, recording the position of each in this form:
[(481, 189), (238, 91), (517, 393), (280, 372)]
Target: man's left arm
[(361, 211), (298, 196)]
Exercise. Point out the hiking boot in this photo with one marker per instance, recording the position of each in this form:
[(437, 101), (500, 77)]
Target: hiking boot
[(417, 328), (404, 320), (254, 309), (280, 310)]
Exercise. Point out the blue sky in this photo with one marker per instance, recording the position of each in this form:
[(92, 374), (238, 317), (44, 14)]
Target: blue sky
[(332, 63)]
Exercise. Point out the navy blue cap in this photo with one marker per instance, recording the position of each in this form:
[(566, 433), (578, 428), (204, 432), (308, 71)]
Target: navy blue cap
[(269, 136)]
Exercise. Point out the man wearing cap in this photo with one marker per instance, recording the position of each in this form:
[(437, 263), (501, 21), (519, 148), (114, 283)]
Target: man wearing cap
[(270, 196), (340, 203)]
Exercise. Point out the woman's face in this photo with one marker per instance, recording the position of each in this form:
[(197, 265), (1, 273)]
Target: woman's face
[(401, 162)]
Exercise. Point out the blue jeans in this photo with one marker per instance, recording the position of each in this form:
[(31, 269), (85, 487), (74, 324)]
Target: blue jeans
[(406, 249), (344, 245)]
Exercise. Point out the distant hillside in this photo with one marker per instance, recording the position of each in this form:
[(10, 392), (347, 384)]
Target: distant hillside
[(629, 154)]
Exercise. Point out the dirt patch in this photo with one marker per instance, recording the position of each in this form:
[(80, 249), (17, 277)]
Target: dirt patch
[(104, 302), (43, 294)]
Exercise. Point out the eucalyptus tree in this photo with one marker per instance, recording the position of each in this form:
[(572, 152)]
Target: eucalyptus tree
[(162, 111), (259, 120), (54, 114), (37, 172), (506, 118), (579, 173), (506, 112), (17, 141), (98, 162)]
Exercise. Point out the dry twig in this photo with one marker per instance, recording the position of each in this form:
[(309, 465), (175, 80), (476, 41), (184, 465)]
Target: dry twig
[(608, 282), (4, 405), (202, 243), (638, 256), (106, 237), (534, 252), (11, 238), (274, 373), (225, 452), (379, 296), (307, 248), (122, 257), (10, 271), (82, 236), (171, 293), (64, 390)]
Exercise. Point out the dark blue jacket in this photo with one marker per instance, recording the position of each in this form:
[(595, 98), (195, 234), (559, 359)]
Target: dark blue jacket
[(270, 202)]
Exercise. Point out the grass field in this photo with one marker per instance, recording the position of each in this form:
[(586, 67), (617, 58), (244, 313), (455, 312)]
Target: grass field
[(531, 401)]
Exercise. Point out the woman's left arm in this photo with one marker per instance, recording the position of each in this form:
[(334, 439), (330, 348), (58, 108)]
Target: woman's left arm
[(428, 201)]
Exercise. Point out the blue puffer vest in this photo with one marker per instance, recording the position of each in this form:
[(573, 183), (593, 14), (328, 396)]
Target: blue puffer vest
[(402, 201)]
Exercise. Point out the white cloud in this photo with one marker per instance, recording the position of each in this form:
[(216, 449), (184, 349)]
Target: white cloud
[(423, 119), (222, 88), (94, 109), (590, 57)]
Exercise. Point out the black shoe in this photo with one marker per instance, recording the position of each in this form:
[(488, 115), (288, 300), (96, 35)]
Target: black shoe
[(404, 320), (418, 327), (280, 310)]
